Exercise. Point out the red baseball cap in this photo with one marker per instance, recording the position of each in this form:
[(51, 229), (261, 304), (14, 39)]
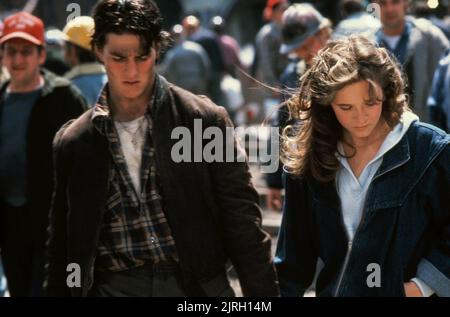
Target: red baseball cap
[(269, 7), (25, 26)]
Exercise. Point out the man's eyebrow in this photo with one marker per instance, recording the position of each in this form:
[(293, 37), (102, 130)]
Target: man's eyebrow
[(117, 53), (124, 54)]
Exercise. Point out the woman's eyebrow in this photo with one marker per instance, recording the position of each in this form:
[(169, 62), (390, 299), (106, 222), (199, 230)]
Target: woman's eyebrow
[(343, 104)]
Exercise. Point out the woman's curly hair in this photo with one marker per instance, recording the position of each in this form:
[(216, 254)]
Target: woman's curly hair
[(309, 146)]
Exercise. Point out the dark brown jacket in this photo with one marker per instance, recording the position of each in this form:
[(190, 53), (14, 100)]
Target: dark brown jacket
[(58, 103), (212, 208)]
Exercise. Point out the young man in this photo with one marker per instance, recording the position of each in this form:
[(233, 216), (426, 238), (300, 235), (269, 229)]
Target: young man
[(136, 222), (418, 46), (86, 74), (34, 104)]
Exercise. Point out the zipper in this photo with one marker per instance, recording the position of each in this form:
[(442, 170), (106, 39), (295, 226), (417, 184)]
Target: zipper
[(351, 242), (341, 276)]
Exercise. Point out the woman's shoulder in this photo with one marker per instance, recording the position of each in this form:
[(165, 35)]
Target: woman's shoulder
[(427, 134), (429, 143)]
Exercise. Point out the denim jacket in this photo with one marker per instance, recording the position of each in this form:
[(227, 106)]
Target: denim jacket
[(404, 231)]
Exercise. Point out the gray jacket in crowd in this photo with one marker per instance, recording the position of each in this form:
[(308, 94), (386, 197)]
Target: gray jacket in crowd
[(187, 65), (425, 46), (270, 63)]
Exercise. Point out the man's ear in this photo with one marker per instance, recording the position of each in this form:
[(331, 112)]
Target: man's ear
[(157, 48), (98, 53), (42, 56)]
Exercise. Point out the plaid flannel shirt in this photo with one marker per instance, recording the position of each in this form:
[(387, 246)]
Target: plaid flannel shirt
[(135, 229)]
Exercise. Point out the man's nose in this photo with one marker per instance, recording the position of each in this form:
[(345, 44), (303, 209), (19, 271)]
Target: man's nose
[(131, 68)]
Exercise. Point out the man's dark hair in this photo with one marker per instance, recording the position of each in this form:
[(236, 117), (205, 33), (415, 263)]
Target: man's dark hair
[(83, 55), (139, 17), (349, 7)]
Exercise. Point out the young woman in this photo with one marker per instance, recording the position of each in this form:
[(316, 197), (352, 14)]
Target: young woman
[(367, 185)]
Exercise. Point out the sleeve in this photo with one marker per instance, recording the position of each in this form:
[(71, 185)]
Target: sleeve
[(424, 288), (439, 44), (296, 254), (55, 283), (274, 180), (436, 98), (206, 64), (434, 267), (268, 59), (246, 243)]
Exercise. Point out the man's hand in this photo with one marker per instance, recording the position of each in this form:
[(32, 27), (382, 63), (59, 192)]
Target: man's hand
[(273, 199), (412, 290)]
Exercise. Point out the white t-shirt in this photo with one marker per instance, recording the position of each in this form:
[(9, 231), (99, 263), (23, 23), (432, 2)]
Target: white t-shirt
[(392, 41), (132, 138)]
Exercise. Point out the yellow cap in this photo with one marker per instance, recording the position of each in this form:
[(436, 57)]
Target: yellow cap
[(79, 31)]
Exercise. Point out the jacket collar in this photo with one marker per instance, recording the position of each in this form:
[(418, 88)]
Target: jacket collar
[(51, 81), (396, 157), (101, 112), (404, 173)]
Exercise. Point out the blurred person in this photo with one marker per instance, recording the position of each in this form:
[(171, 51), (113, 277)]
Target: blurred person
[(186, 64), (231, 85), (269, 63), (137, 222), (34, 105), (355, 20), (4, 76), (304, 32), (230, 47), (420, 9), (54, 47), (439, 99), (196, 33), (412, 41), (86, 73), (366, 183)]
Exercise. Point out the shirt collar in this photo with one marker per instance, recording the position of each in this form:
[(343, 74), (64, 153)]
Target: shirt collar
[(101, 115)]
